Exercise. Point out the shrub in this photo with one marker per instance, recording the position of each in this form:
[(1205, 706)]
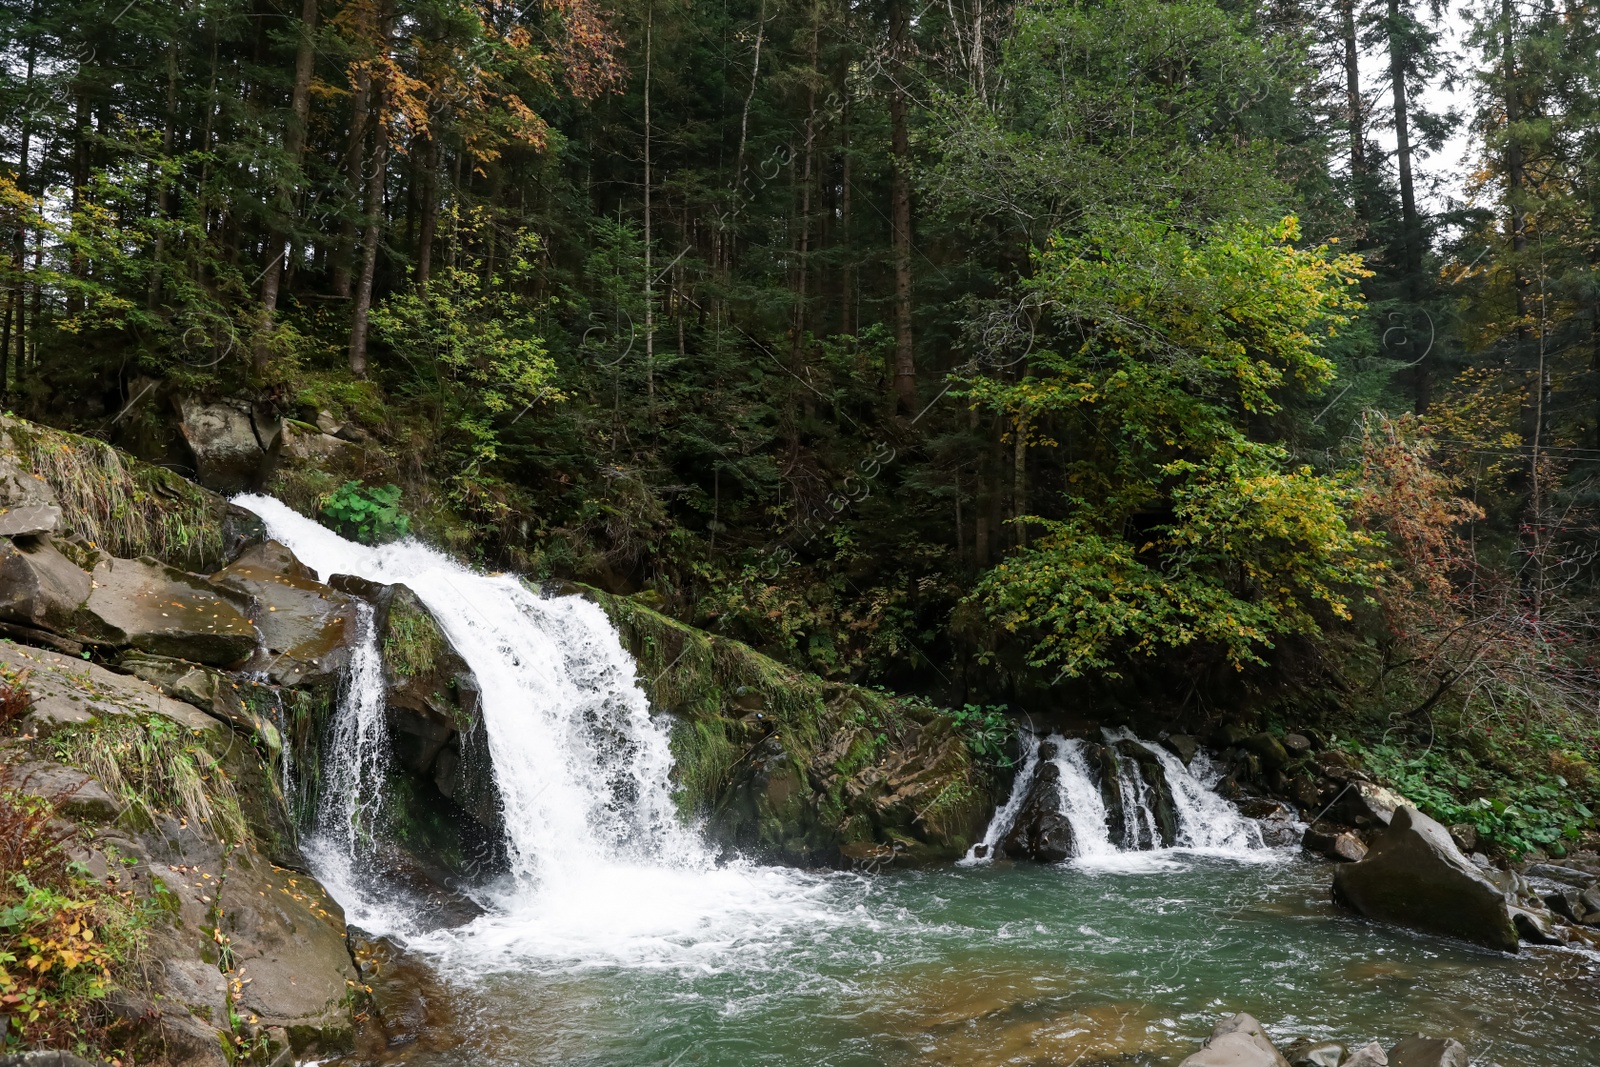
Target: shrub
[(371, 516)]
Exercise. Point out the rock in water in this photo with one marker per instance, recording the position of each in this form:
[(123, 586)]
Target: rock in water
[(1237, 1042), (1308, 1053), (1371, 1056), (1041, 832), (1415, 876), (1184, 746), (150, 606), (1422, 1051)]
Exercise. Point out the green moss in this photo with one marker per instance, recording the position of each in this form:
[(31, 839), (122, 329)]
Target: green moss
[(412, 643)]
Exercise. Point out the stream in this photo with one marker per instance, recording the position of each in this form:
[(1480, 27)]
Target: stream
[(618, 937)]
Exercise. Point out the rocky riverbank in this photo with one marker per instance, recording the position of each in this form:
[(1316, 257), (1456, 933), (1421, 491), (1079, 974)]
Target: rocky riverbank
[(167, 677)]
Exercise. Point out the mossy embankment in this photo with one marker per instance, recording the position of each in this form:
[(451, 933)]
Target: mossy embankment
[(793, 768)]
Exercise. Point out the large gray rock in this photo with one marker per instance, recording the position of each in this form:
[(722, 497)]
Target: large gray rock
[(1184, 746), (72, 791), (1308, 1053), (69, 692), (148, 605), (1422, 1051), (206, 688), (39, 586), (230, 442), (1237, 1042), (306, 627), (1370, 1056), (44, 1058), (1415, 876), (1365, 804), (30, 520)]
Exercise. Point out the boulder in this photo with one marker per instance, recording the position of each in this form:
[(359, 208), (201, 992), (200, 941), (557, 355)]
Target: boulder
[(1184, 746), (1237, 1042), (1465, 835), (1334, 842), (30, 520), (72, 791), (1422, 1051), (306, 627), (67, 691), (1537, 926), (1365, 805), (1040, 831), (1370, 1056), (39, 586), (43, 1058), (1565, 875), (207, 689), (1308, 1053), (229, 442), (148, 605), (1296, 745), (1273, 756), (1414, 876)]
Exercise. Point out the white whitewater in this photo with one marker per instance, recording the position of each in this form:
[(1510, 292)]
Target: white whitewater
[(602, 869), (1206, 822)]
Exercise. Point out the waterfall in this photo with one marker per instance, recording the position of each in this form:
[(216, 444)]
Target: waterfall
[(1087, 774), (601, 866)]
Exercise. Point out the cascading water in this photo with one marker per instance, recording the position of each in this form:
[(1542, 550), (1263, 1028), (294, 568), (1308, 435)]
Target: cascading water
[(601, 866), (1204, 821)]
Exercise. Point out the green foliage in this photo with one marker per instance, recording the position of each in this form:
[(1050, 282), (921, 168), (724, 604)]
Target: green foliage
[(412, 644), (1179, 527), (988, 731), (370, 515), (1534, 809), (473, 335)]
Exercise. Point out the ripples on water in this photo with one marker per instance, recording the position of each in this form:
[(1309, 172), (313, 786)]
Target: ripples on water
[(1128, 962)]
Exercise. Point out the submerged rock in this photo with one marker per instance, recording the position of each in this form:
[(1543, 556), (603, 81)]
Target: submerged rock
[(1237, 1042), (1415, 876)]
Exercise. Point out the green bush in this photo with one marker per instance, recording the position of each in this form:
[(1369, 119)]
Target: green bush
[(371, 516)]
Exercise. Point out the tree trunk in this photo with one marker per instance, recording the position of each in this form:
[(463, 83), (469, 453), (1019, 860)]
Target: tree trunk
[(1356, 111), (354, 156), (905, 371), (1411, 228), (430, 212), (294, 142), (369, 244)]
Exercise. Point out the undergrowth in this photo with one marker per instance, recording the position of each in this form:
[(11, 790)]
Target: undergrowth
[(156, 768), (64, 937), (412, 644), (127, 508)]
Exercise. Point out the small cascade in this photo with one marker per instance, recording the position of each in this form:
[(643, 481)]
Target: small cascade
[(1087, 800), (356, 764)]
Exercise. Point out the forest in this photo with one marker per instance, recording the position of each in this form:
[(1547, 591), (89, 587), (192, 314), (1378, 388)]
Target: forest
[(1207, 356)]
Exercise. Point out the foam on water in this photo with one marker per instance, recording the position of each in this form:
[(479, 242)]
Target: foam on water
[(602, 870)]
